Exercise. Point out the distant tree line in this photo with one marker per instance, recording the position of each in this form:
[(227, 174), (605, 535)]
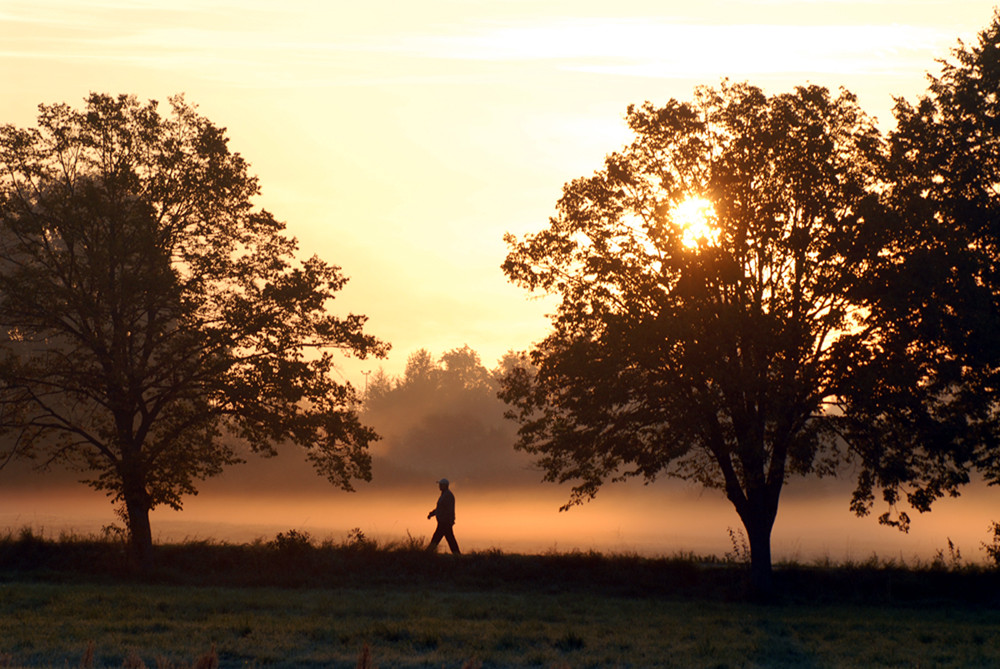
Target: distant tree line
[(443, 418)]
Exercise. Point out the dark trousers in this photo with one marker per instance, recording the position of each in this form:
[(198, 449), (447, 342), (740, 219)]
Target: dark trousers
[(444, 532)]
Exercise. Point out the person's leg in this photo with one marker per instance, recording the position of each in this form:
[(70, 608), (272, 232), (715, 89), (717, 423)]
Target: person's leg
[(436, 539), (452, 544)]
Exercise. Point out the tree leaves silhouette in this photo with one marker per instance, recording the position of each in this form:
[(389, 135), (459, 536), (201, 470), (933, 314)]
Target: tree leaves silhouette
[(148, 308)]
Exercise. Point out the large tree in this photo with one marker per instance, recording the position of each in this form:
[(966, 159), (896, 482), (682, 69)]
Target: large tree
[(718, 358), (151, 314), (939, 284)]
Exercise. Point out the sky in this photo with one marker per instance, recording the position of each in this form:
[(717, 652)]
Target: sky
[(401, 140)]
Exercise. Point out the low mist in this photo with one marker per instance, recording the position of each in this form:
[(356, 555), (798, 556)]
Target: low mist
[(663, 519), (443, 419)]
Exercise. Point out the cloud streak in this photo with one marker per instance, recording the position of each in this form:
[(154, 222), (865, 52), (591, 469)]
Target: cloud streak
[(645, 44), (261, 47)]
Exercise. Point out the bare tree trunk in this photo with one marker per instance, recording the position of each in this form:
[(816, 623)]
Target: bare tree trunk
[(139, 530), (761, 573), (758, 514)]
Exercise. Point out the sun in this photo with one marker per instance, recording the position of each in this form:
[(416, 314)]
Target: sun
[(697, 221)]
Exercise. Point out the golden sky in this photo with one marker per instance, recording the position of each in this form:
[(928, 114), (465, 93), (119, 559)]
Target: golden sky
[(401, 139)]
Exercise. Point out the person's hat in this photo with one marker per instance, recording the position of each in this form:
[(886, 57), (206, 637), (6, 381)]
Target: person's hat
[(444, 481)]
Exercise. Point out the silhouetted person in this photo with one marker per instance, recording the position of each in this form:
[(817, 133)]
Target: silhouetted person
[(445, 513)]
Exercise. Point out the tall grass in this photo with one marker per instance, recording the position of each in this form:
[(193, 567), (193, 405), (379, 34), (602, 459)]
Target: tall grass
[(294, 559)]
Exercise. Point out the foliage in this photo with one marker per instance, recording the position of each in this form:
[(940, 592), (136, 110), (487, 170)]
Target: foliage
[(151, 315), (292, 542), (740, 553), (993, 547), (443, 418), (723, 362), (357, 540), (939, 285), (952, 562)]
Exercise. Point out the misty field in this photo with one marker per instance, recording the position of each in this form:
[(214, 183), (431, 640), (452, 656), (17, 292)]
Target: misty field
[(288, 603)]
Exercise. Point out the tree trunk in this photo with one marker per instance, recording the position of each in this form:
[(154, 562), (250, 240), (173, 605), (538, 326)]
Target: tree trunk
[(139, 531), (758, 514), (759, 534)]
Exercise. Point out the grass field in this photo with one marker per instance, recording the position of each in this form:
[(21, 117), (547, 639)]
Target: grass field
[(289, 603)]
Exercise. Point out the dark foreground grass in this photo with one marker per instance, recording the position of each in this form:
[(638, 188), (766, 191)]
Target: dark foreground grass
[(46, 624), (289, 603)]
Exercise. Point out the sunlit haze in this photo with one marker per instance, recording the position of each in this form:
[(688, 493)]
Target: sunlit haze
[(401, 140), (696, 217)]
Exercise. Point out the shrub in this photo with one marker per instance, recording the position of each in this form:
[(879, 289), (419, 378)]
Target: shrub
[(357, 540), (993, 548), (294, 542)]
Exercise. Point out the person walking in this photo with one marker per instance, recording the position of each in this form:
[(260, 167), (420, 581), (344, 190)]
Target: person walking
[(445, 514)]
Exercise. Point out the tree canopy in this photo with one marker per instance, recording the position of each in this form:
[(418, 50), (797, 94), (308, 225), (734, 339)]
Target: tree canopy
[(939, 287), (724, 361), (150, 313)]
